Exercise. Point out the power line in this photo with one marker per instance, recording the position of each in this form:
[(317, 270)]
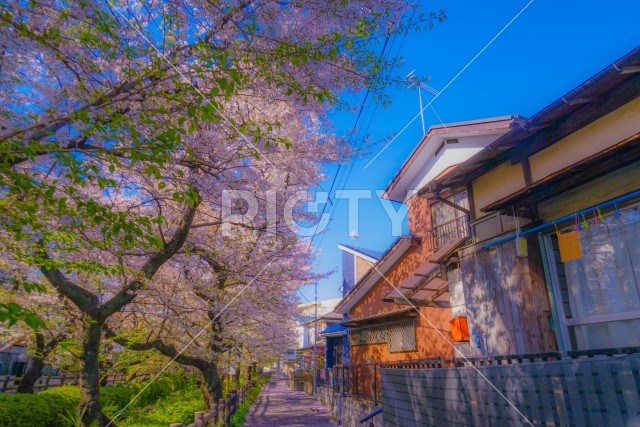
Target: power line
[(353, 132)]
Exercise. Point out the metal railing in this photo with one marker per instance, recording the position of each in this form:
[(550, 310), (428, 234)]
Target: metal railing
[(370, 417), (9, 383), (448, 232), (359, 381)]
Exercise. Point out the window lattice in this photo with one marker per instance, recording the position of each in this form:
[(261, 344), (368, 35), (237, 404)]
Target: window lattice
[(399, 337), (402, 337), (372, 335)]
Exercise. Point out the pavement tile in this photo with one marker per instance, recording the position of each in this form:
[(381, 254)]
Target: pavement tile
[(279, 406)]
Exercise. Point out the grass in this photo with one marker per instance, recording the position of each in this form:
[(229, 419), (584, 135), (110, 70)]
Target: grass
[(239, 417), (179, 407)]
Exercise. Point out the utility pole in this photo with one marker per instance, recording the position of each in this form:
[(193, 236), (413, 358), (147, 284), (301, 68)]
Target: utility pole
[(315, 342)]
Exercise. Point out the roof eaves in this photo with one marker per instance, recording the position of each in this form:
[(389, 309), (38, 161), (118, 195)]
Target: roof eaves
[(367, 254), (530, 127), (507, 121)]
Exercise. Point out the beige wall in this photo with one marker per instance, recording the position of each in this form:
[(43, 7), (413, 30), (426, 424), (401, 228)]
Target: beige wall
[(597, 136), (362, 266), (614, 184), (496, 184)]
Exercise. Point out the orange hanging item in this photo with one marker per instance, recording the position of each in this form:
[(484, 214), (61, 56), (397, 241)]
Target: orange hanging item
[(569, 244), (459, 329)]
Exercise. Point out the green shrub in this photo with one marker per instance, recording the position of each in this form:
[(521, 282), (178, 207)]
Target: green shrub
[(22, 410), (55, 407), (61, 401), (44, 409)]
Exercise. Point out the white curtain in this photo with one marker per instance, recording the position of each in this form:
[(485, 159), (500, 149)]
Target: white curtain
[(606, 281)]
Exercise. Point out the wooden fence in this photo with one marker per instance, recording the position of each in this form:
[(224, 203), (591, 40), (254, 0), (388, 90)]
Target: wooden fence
[(222, 411), (9, 383), (582, 388)]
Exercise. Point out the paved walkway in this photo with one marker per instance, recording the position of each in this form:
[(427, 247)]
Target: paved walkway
[(279, 406)]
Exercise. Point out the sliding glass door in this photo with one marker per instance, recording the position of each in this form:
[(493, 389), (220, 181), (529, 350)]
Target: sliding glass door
[(597, 295)]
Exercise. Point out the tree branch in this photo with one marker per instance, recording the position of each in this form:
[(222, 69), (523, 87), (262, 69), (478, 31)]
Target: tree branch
[(165, 349), (83, 299), (206, 257), (153, 264)]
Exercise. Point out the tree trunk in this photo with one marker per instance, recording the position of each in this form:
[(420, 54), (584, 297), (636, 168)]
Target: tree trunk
[(90, 375), (35, 369), (211, 386), (31, 376)]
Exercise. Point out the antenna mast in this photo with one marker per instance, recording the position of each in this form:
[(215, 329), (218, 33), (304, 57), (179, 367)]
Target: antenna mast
[(411, 78)]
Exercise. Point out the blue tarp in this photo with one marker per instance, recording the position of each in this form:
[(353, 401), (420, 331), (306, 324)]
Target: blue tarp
[(333, 329)]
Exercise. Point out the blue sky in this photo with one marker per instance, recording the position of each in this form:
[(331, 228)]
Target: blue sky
[(551, 48)]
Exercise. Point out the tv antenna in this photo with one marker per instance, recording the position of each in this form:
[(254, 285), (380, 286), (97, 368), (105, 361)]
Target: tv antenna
[(413, 80), (353, 235)]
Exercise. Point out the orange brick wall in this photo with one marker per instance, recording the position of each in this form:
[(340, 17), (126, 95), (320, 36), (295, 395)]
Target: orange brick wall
[(431, 341), (419, 215), (433, 333)]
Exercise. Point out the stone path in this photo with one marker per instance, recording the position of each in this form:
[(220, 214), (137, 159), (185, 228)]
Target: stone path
[(279, 406)]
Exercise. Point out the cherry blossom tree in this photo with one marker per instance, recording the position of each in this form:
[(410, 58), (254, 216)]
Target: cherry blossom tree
[(211, 309), (123, 123)]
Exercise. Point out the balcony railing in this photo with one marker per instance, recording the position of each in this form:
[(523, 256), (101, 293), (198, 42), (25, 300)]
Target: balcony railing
[(448, 232)]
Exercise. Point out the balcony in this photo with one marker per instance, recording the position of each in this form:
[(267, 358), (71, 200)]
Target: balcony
[(449, 233)]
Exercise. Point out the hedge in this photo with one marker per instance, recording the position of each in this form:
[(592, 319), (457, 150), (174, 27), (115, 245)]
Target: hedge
[(55, 407)]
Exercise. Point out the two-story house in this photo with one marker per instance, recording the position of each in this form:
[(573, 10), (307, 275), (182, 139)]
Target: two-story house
[(401, 309), (554, 259)]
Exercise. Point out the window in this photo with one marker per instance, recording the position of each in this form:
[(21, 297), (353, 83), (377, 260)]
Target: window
[(398, 336), (402, 337), (597, 297), (370, 335)]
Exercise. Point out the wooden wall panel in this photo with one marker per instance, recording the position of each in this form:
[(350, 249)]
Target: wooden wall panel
[(507, 301)]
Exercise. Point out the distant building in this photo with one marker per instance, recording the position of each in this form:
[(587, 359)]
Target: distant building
[(14, 360), (301, 357), (356, 262)]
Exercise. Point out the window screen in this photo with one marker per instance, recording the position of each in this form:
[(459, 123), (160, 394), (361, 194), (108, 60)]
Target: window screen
[(371, 335), (402, 337), (398, 337)]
